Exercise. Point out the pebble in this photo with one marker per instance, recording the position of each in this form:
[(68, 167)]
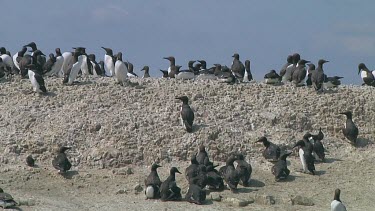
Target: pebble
[(301, 200), (236, 202)]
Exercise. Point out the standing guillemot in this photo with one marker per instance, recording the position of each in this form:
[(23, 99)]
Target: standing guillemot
[(202, 156), (289, 61), (317, 77), (272, 77), (61, 161), (71, 75), (287, 77), (310, 70), (272, 152), (237, 68), (28, 59), (7, 60), (96, 69), (153, 183), (57, 65), (280, 169), (229, 173), (131, 73), (192, 170), (350, 130), (146, 74), (195, 193), (17, 58), (299, 74), (186, 114), (169, 191), (214, 179), (336, 204), (109, 62), (36, 79), (367, 76), (47, 67), (121, 71), (306, 157), (243, 169), (172, 62), (41, 59), (247, 76)]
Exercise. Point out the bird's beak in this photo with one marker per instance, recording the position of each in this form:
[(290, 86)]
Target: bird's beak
[(326, 61), (166, 58), (178, 172), (308, 62), (158, 166), (178, 98), (42, 54)]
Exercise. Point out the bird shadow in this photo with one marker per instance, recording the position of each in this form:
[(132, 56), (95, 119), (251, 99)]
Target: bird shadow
[(16, 208), (319, 173), (69, 174), (289, 178), (256, 183), (50, 94), (330, 91), (243, 190), (207, 202), (197, 127), (79, 83), (363, 142), (331, 160)]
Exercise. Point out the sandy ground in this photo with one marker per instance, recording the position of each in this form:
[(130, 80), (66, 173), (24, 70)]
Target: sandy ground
[(114, 130)]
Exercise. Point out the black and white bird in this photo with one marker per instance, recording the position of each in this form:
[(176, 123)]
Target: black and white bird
[(6, 200), (195, 193), (109, 62), (192, 170), (336, 204), (131, 73), (169, 191), (121, 71), (272, 152), (31, 59), (247, 76), (229, 173), (96, 69), (57, 64), (367, 76), (172, 63), (18, 56), (30, 161), (287, 77), (79, 60), (165, 73), (280, 169), (4, 69), (331, 82), (318, 148), (317, 77), (61, 161), (153, 183), (147, 71), (47, 67), (272, 77), (299, 73), (289, 61), (237, 68), (306, 157), (41, 59), (7, 59), (350, 130), (186, 114), (244, 170), (310, 70), (36, 79), (214, 179)]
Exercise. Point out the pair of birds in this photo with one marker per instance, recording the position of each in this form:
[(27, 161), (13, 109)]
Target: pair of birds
[(236, 175), (60, 162), (168, 190)]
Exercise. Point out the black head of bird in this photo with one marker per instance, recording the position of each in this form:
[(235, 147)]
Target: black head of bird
[(145, 68), (289, 59), (299, 143), (303, 62), (362, 66), (337, 195), (3, 50), (52, 57), (311, 66), (296, 58), (240, 156), (32, 45), (236, 56), (80, 49), (184, 99), (348, 114), (108, 51), (264, 140), (321, 62), (231, 160), (191, 63), (170, 58), (63, 149), (92, 57), (174, 170), (154, 167), (58, 51)]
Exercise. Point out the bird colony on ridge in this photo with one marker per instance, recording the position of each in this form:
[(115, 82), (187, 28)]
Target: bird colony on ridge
[(202, 173)]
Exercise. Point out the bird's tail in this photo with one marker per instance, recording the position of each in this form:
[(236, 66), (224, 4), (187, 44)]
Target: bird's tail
[(189, 127)]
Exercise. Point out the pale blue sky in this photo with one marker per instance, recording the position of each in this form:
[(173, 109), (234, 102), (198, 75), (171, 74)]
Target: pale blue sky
[(341, 31)]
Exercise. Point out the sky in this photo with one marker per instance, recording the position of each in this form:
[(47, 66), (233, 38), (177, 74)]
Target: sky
[(145, 31)]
